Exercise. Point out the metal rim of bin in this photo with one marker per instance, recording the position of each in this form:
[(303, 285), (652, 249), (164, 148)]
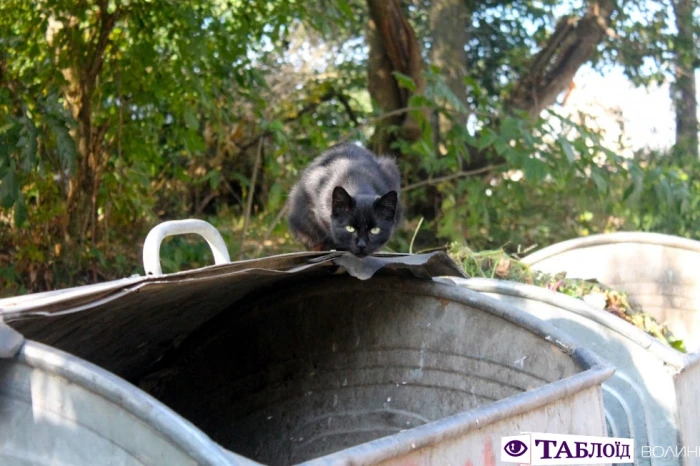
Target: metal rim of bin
[(668, 355), (658, 239), (680, 320), (135, 401), (595, 371)]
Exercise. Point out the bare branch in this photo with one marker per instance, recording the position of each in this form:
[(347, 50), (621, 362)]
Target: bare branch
[(310, 107), (251, 192), (393, 47), (552, 69), (343, 99), (107, 23), (450, 177)]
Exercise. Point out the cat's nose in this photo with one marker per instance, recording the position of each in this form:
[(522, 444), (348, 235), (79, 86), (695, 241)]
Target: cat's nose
[(361, 244)]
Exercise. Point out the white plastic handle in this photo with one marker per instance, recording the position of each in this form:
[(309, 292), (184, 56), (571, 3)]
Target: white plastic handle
[(151, 247)]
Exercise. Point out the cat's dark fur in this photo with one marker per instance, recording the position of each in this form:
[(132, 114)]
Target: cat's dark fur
[(346, 186)]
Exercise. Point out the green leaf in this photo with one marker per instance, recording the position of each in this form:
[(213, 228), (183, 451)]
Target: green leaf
[(486, 138), (568, 151), (418, 100), (27, 144), (500, 146), (65, 145), (633, 193), (241, 179), (405, 81), (191, 120), (679, 345), (599, 180), (20, 211), (446, 93), (214, 178), (276, 197), (5, 128), (345, 9), (534, 169), (9, 190), (509, 129)]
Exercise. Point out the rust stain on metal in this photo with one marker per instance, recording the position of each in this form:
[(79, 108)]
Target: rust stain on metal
[(489, 459)]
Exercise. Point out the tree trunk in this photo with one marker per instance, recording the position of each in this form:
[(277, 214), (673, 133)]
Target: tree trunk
[(683, 90), (79, 92), (553, 68), (449, 24), (393, 47)]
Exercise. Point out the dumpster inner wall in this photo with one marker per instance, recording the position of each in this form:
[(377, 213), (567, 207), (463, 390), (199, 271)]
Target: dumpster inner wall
[(297, 372)]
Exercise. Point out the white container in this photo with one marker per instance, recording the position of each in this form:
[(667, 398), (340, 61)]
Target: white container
[(660, 272)]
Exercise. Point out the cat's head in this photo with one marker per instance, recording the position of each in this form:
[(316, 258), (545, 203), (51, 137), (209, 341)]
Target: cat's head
[(364, 223)]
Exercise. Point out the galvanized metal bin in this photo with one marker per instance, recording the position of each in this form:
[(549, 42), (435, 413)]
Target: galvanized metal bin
[(649, 396), (59, 409), (301, 371), (289, 360), (660, 272)]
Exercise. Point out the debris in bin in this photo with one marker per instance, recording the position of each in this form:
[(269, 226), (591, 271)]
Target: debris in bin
[(491, 264)]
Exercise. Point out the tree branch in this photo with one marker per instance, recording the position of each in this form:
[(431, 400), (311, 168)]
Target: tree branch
[(343, 99), (552, 69), (393, 47), (11, 86), (251, 192), (306, 109), (450, 177), (96, 60)]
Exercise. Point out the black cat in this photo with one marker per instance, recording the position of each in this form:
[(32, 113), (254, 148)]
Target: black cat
[(347, 199)]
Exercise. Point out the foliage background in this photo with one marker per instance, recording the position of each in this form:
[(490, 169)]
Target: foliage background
[(116, 115)]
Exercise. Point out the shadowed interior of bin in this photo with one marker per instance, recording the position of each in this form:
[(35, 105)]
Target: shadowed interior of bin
[(299, 372)]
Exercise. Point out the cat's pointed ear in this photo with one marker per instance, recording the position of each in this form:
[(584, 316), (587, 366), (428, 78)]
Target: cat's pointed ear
[(342, 201), (385, 206)]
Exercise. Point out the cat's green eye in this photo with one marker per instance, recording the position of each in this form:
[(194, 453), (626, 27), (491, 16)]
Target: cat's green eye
[(375, 230), (350, 229)]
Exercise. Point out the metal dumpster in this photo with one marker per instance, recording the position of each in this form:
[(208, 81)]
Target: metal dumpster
[(652, 397), (660, 272), (59, 409), (293, 359)]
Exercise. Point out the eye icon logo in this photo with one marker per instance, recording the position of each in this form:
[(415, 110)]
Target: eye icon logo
[(515, 448)]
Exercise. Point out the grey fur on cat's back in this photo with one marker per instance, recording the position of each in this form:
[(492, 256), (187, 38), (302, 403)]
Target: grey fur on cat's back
[(346, 199)]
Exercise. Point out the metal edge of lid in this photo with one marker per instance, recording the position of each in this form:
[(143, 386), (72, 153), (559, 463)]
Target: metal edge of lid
[(89, 296), (667, 354), (658, 239)]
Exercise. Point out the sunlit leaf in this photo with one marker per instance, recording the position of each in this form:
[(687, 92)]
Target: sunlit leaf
[(405, 81)]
